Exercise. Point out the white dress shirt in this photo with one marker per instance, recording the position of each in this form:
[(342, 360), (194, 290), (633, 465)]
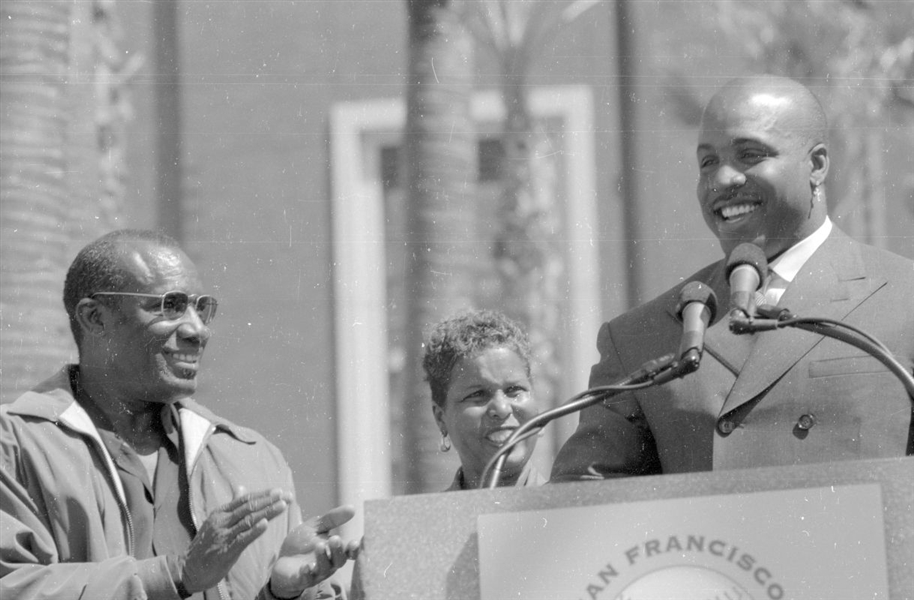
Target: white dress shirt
[(784, 268)]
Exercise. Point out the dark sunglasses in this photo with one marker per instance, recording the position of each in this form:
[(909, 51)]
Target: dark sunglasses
[(174, 304)]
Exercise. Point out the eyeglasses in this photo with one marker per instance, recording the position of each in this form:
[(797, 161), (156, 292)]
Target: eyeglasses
[(174, 304)]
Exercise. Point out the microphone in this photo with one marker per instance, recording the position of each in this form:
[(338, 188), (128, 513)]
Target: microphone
[(746, 269), (696, 309)]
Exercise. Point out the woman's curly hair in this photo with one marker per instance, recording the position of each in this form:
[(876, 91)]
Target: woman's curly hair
[(465, 335)]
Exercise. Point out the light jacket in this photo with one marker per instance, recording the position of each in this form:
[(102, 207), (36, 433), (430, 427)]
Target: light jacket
[(65, 532)]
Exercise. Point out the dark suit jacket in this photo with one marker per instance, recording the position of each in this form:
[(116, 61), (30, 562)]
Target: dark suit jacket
[(748, 403)]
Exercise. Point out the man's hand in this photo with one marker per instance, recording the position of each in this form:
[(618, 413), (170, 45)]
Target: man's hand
[(226, 533), (310, 554)]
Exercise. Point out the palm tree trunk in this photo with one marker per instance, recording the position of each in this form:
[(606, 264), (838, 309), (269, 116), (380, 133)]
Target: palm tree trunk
[(440, 155), (58, 186), (34, 57), (529, 258), (96, 135)]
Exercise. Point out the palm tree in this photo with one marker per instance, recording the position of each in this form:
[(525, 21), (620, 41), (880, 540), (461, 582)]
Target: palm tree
[(34, 56), (58, 185), (440, 163), (528, 254)]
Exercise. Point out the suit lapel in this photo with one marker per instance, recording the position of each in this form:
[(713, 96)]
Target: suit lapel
[(719, 344), (728, 349), (831, 284)]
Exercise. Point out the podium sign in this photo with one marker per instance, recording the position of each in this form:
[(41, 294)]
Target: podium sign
[(841, 530), (737, 546)]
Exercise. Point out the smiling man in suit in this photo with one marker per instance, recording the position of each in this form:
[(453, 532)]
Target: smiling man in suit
[(780, 397)]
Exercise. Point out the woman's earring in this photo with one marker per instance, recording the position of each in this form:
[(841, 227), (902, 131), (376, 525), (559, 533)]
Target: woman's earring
[(445, 444)]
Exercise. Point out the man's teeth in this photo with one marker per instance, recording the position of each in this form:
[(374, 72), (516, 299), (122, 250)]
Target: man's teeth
[(730, 212), (188, 358)]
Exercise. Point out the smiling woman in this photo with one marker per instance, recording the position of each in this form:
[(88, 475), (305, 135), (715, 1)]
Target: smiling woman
[(478, 367)]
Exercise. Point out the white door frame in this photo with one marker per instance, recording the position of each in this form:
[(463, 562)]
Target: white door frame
[(358, 130)]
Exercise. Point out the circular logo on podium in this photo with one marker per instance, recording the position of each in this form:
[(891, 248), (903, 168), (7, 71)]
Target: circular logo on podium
[(684, 582)]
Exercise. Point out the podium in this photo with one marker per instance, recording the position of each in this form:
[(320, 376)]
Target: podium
[(772, 532)]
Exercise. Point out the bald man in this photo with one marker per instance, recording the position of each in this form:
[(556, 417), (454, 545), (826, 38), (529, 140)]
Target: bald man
[(780, 397), (116, 484)]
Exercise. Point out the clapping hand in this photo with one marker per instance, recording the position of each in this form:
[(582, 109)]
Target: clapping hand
[(309, 554), (226, 533)]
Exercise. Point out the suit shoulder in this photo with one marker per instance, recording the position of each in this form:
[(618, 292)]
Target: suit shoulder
[(879, 264), (876, 260), (893, 265)]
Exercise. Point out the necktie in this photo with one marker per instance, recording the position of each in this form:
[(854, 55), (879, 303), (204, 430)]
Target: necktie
[(774, 288)]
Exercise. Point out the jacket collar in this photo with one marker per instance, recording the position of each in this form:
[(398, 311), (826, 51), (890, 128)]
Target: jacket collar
[(52, 400), (788, 264)]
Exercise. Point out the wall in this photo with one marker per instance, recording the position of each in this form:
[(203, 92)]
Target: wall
[(259, 80)]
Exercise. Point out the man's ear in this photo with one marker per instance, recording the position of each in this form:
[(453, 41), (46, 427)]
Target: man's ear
[(818, 158), (92, 316)]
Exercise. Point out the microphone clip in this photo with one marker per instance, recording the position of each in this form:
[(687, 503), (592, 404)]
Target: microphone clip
[(772, 318), (687, 363)]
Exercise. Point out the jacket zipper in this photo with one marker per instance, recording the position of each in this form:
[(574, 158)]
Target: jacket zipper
[(220, 587), (122, 503), (130, 540)]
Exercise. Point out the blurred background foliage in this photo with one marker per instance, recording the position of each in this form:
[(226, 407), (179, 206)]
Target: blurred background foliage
[(858, 57)]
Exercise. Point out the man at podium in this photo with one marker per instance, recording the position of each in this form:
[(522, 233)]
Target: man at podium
[(780, 397)]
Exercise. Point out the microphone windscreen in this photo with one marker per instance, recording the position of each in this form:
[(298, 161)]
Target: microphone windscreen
[(696, 291), (748, 254)]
